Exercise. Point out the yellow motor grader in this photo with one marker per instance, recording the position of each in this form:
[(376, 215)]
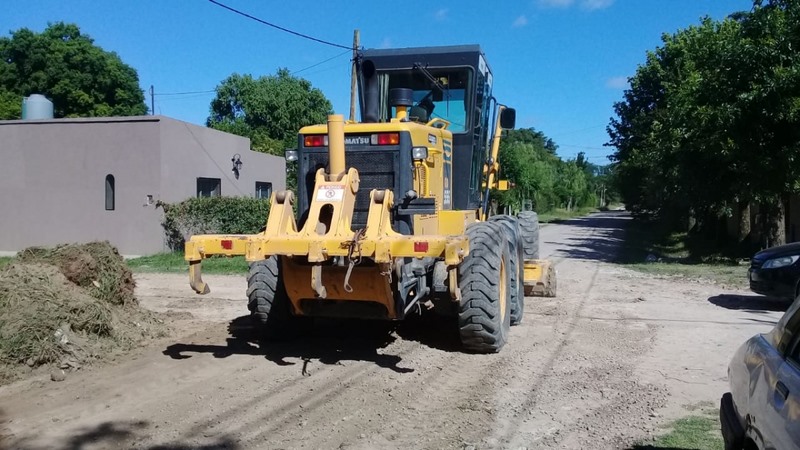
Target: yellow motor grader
[(393, 212)]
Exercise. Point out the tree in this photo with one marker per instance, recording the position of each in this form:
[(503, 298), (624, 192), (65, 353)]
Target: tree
[(528, 159), (79, 77), (269, 110), (711, 122)]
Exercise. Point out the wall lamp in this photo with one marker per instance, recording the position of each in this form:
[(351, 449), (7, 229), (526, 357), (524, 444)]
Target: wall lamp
[(237, 165)]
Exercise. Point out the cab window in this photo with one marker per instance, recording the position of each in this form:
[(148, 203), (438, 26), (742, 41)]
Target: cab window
[(439, 93)]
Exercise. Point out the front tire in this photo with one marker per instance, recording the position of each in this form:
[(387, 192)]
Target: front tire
[(516, 268), (484, 315), (267, 300)]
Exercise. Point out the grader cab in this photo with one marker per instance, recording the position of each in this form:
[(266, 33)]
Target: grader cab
[(393, 212)]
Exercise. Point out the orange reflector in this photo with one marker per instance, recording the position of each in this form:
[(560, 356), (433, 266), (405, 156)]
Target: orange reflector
[(420, 247), (315, 140), (387, 139), (227, 244)]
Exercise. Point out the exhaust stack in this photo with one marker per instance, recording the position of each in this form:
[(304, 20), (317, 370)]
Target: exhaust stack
[(336, 160)]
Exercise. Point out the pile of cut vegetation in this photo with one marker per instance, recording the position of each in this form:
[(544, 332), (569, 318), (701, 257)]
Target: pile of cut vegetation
[(68, 306)]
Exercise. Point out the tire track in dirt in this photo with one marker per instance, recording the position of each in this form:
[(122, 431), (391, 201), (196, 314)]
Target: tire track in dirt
[(285, 402), (564, 380), (455, 392), (507, 429), (588, 381)]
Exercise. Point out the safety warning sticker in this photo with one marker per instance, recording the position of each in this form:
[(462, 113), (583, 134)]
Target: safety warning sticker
[(327, 193)]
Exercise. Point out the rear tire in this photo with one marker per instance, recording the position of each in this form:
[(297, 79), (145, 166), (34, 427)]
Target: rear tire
[(529, 232), (484, 315), (516, 269), (267, 300)]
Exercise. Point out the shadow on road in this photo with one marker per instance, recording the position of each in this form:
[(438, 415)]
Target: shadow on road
[(604, 241), (123, 434), (330, 342), (658, 447), (750, 303), (431, 330)]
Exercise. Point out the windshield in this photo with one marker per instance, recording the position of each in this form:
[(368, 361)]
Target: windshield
[(439, 93)]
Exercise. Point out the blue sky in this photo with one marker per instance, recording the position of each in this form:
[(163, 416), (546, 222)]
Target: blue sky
[(561, 63)]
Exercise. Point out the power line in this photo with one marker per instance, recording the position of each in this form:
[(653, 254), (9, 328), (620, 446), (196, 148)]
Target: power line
[(264, 22), (214, 161), (322, 62), (194, 94), (562, 133), (584, 147), (185, 93)]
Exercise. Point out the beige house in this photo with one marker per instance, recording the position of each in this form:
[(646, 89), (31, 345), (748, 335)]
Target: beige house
[(78, 180)]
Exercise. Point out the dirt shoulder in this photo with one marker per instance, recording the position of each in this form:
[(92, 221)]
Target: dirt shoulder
[(615, 355)]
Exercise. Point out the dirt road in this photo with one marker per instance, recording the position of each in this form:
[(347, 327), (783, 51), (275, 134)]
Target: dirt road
[(603, 365)]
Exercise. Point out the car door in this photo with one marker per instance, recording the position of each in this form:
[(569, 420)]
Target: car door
[(786, 401), (775, 420)]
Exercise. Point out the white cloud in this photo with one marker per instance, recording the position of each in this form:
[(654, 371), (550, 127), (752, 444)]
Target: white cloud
[(593, 5), (555, 3), (520, 21), (617, 83), (586, 5), (441, 14)]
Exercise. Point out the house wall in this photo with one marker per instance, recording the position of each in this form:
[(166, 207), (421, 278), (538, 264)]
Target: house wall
[(52, 183), (190, 151), (53, 172)]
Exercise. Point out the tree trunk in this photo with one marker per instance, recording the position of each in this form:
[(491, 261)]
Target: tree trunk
[(777, 226), (691, 223), (744, 222)]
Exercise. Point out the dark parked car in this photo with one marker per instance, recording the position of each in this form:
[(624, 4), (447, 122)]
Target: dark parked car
[(762, 410), (776, 271)]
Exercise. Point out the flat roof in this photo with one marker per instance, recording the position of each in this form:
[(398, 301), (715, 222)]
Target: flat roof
[(86, 120), (447, 49)]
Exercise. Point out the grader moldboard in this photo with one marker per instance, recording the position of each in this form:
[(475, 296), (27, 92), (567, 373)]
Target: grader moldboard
[(393, 212)]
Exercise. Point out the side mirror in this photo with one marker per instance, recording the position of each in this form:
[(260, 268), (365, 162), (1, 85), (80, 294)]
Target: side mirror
[(508, 118)]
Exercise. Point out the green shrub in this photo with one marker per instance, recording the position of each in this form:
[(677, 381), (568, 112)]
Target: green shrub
[(213, 215)]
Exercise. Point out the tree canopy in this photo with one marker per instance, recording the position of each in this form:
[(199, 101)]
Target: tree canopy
[(66, 66), (269, 109), (711, 121), (528, 159)]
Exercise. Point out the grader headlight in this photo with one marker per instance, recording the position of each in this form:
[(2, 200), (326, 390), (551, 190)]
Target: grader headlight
[(291, 155), (419, 153)]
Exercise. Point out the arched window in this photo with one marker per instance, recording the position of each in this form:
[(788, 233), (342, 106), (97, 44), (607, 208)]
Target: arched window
[(109, 192)]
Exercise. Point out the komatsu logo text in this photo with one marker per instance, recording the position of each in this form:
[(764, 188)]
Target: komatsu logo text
[(356, 140)]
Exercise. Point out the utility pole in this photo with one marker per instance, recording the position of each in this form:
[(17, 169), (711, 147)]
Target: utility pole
[(152, 101), (356, 40)]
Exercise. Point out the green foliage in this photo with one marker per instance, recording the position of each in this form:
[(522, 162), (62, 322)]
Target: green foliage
[(651, 247), (10, 105), (173, 262), (79, 77), (712, 119), (213, 215), (528, 159), (269, 110), (701, 431)]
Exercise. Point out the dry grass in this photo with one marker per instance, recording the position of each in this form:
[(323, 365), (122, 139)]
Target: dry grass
[(67, 307)]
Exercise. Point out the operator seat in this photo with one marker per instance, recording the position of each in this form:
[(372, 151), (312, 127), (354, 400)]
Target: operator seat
[(418, 114)]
